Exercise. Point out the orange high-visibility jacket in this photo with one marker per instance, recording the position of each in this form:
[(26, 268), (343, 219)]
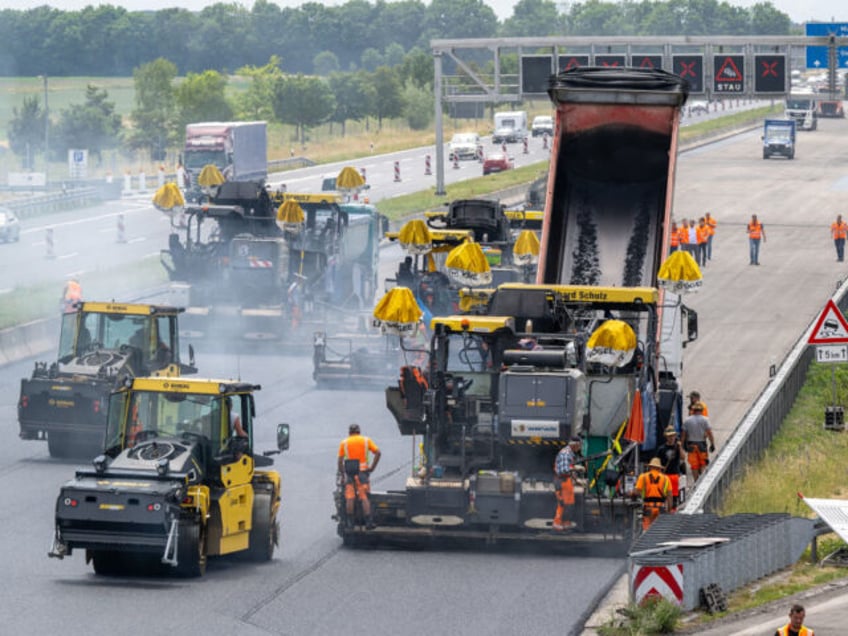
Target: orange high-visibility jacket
[(755, 230)]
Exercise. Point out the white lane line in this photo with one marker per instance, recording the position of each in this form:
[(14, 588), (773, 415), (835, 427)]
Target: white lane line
[(137, 240), (79, 272), (5, 291), (71, 255)]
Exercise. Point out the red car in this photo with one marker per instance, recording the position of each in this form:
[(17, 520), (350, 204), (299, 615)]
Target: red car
[(496, 162)]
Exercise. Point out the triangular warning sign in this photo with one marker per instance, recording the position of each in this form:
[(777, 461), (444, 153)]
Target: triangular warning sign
[(572, 63), (831, 327), (728, 71), (646, 63)]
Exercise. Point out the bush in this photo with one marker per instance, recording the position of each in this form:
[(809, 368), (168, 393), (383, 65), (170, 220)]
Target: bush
[(655, 615)]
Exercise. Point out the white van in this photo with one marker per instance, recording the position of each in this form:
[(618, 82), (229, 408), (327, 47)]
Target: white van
[(510, 126)]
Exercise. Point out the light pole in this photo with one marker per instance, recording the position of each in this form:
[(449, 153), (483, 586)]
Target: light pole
[(46, 132)]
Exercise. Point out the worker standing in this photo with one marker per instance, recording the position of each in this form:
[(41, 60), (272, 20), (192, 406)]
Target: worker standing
[(795, 626), (71, 294), (756, 234), (683, 235), (672, 457), (839, 231), (692, 239), (356, 465), (696, 434), (711, 224), (702, 233), (654, 487), (695, 398), (674, 233), (565, 466)]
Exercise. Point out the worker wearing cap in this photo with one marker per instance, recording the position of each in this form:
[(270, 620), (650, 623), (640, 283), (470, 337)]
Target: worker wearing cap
[(654, 487), (354, 454), (672, 457), (695, 398), (696, 434), (795, 626), (565, 465)]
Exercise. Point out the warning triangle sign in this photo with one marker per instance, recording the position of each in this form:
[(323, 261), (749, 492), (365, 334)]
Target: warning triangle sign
[(646, 63), (728, 71), (572, 63), (831, 326)]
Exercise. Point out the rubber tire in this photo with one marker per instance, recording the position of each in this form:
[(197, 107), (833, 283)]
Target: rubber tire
[(59, 445), (107, 563), (263, 531), (191, 550)]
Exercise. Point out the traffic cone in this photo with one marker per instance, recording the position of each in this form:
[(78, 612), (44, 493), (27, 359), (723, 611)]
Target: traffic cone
[(525, 146), (122, 235), (397, 171), (427, 171), (48, 240)]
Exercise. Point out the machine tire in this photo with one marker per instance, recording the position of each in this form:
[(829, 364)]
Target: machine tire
[(191, 550), (264, 530), (59, 445), (107, 562), (792, 154)]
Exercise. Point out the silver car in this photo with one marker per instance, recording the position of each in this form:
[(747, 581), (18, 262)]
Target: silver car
[(10, 227)]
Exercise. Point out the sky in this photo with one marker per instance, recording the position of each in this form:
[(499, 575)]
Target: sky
[(798, 10)]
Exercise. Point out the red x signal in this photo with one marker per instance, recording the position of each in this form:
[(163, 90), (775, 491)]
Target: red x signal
[(687, 68), (769, 68)]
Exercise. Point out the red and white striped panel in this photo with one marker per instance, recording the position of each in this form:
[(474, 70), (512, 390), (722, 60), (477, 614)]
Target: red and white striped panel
[(658, 580), (258, 262)]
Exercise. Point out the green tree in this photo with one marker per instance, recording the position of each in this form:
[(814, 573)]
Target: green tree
[(766, 20), (26, 131), (355, 97), (325, 62), (303, 101), (257, 101), (153, 117), (94, 124), (417, 106), (388, 87), (533, 18), (393, 54), (371, 59), (460, 19), (201, 97), (417, 67)]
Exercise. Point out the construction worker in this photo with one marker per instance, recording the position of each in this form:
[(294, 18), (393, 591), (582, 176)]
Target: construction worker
[(692, 239), (71, 294), (565, 466), (654, 487), (236, 428), (696, 433), (683, 235), (795, 626), (756, 234), (702, 233), (839, 231), (354, 453), (711, 224), (674, 233), (695, 398), (672, 456)]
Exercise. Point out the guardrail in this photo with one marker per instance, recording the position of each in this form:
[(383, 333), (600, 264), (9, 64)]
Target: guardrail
[(756, 430), (55, 201)]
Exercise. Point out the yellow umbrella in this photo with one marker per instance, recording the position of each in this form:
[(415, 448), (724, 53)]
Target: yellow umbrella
[(397, 312), (415, 237), (612, 344), (290, 217), (467, 265), (679, 273), (168, 198), (349, 179), (210, 177), (526, 248)]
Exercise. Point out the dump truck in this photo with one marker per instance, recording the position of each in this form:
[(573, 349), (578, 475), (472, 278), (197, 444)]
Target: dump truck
[(779, 138), (239, 149), (64, 401), (245, 278), (503, 390), (177, 482)]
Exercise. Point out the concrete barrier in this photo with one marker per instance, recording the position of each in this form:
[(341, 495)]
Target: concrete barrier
[(28, 340)]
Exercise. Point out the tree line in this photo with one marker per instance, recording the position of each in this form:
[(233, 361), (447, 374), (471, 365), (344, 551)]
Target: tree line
[(109, 41)]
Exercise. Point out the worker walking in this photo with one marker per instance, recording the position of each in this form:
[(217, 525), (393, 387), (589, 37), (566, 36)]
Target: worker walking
[(839, 231), (672, 457), (756, 234), (358, 458), (654, 487), (696, 434), (711, 226), (695, 398), (795, 626), (565, 465)]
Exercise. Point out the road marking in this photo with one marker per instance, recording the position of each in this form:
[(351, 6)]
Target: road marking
[(137, 240), (8, 290), (79, 272), (71, 255)]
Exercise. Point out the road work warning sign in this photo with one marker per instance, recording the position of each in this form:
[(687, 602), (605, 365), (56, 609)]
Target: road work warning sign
[(831, 326)]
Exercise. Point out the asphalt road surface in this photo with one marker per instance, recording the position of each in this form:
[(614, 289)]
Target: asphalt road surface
[(749, 318)]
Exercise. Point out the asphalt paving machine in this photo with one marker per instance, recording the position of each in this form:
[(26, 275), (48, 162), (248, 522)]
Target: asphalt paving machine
[(177, 483), (592, 349), (64, 402), (245, 277)]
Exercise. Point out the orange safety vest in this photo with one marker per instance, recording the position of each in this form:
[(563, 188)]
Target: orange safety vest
[(703, 233), (683, 234), (711, 225), (675, 238), (755, 230), (654, 486), (706, 411), (804, 631), (73, 291), (357, 447), (839, 230)]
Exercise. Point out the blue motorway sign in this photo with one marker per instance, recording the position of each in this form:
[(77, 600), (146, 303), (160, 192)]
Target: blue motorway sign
[(817, 57), (823, 29)]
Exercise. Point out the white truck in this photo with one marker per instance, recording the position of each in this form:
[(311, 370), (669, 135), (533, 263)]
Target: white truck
[(239, 149), (510, 127), (802, 108)]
